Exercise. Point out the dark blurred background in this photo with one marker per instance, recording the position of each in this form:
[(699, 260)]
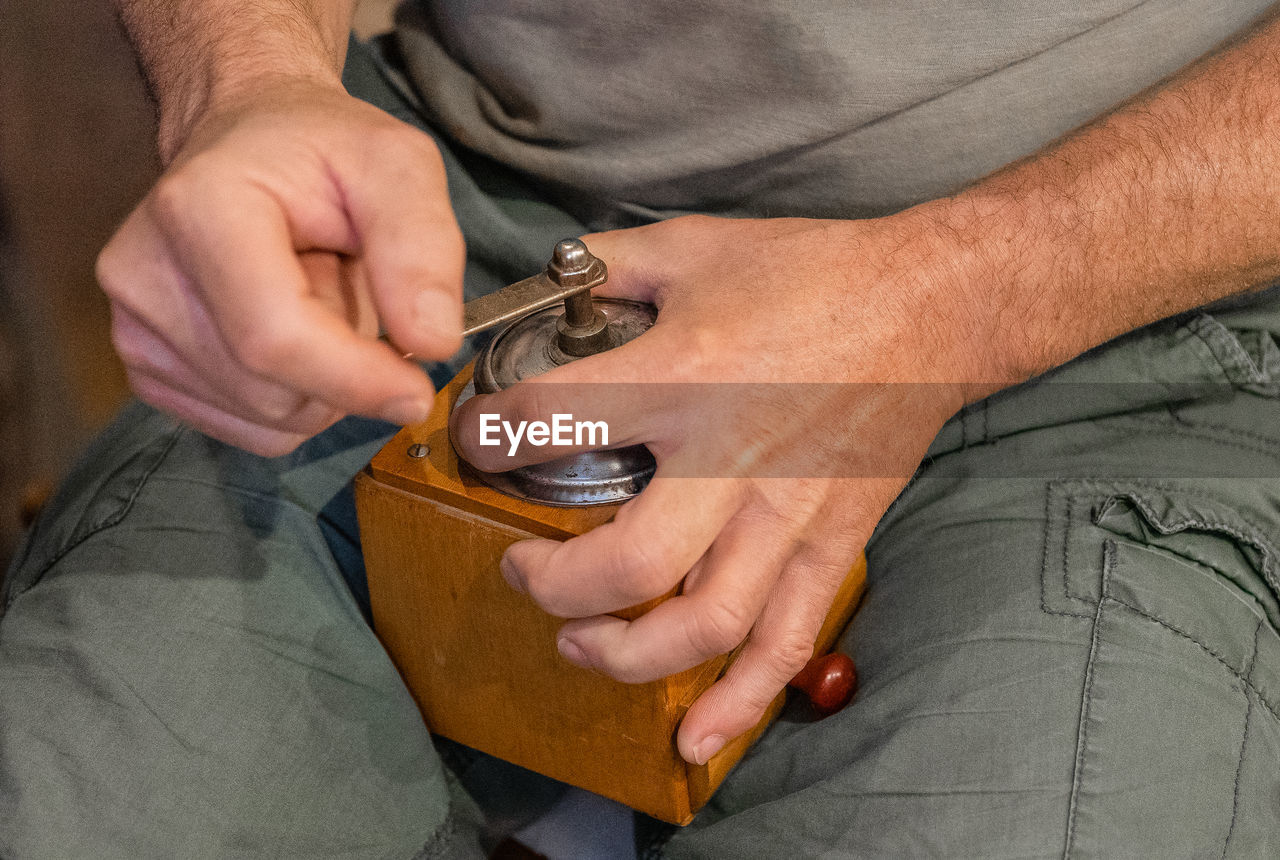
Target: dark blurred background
[(76, 152)]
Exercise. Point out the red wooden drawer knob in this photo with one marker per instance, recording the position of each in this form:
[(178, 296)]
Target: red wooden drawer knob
[(828, 682)]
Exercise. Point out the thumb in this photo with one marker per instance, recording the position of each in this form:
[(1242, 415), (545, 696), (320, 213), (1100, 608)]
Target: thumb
[(413, 253)]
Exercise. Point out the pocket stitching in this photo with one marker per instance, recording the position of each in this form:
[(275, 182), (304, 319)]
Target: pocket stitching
[(1057, 490), (1265, 444), (1236, 360), (1255, 535), (1082, 736), (1248, 683)]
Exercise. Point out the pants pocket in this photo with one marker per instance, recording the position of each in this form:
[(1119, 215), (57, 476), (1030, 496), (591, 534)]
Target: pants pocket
[(1180, 713)]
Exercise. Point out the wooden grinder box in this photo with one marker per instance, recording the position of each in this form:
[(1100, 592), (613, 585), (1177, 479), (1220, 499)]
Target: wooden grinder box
[(481, 660)]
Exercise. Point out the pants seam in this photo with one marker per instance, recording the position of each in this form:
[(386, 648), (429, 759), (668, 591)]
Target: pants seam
[(1071, 500), (1184, 427), (114, 519), (436, 845), (1068, 522), (1153, 483), (1247, 681), (1268, 450), (1082, 732), (1245, 677), (1244, 743), (282, 499)]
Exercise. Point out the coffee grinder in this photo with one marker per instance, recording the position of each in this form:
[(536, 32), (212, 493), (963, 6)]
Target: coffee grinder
[(479, 658)]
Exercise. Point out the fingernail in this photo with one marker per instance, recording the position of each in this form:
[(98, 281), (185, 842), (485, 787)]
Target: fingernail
[(572, 652), (437, 314), (511, 575), (407, 410), (710, 746)]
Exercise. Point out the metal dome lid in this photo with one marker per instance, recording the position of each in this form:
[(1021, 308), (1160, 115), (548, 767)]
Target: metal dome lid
[(532, 345)]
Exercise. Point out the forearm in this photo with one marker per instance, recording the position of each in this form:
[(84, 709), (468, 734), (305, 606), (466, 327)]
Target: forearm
[(198, 52), (1165, 204)]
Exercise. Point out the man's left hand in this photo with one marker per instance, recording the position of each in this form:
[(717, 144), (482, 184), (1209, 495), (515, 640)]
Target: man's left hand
[(796, 374)]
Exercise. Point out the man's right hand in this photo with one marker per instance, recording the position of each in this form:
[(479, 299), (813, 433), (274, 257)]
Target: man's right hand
[(248, 287)]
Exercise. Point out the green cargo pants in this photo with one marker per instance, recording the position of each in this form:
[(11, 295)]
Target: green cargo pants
[(1068, 646)]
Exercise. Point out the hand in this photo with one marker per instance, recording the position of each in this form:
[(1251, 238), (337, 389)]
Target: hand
[(247, 288), (804, 368)]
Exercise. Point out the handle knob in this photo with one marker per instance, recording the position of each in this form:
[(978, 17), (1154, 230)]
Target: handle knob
[(828, 682), (581, 331)]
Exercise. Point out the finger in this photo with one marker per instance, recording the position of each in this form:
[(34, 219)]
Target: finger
[(137, 272), (211, 421), (241, 395), (779, 646), (645, 261), (709, 618), (607, 387), (240, 258), (634, 271), (412, 247), (642, 554), (341, 284)]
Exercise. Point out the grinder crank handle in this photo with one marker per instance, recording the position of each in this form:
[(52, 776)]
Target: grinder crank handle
[(569, 277)]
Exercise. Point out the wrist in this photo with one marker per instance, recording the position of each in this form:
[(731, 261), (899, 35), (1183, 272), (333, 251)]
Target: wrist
[(1010, 254), (227, 88), (947, 275), (195, 54)]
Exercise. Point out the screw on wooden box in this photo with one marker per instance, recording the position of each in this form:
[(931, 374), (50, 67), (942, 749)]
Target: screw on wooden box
[(479, 658)]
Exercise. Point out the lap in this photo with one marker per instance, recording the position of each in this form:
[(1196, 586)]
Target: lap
[(1068, 644), (1084, 657)]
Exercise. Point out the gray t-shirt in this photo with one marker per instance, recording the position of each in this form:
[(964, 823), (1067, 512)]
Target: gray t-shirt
[(635, 109)]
